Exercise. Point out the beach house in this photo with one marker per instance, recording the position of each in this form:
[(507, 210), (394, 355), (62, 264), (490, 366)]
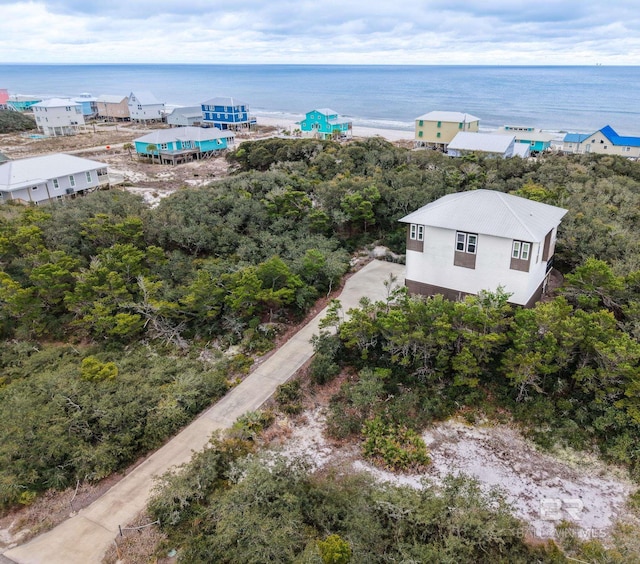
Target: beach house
[(183, 144), (537, 140), (486, 144), (88, 103), (58, 116), (481, 240), (605, 141), (226, 113), (325, 123), (4, 96), (144, 107), (182, 117), (51, 177), (112, 107), (22, 102), (435, 130)]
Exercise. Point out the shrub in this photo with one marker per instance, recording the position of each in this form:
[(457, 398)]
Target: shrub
[(251, 424), (395, 447), (288, 396), (94, 370), (334, 550)]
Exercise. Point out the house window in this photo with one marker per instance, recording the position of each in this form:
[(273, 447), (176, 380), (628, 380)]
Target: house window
[(439, 124), (56, 184), (88, 174), (459, 126), (420, 123), (416, 232), (72, 181), (438, 134), (521, 250), (34, 188), (420, 133), (163, 146), (466, 242)]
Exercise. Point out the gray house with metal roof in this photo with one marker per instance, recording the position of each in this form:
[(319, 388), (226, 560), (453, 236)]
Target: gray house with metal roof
[(481, 240), (185, 117), (50, 177)]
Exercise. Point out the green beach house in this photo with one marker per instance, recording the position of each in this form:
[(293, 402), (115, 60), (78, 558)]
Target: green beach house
[(324, 123)]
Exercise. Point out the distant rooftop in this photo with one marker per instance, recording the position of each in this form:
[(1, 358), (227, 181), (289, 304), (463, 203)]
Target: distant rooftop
[(56, 103), (187, 111), (145, 98), (455, 117), (616, 139), (224, 101), (488, 142), (110, 98)]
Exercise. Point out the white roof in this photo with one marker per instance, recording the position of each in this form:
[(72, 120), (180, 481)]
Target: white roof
[(326, 111), (110, 98), (486, 142), (188, 111), (489, 212), (522, 150), (145, 98), (455, 117), (36, 170), (158, 136), (223, 101), (535, 135), (56, 103)]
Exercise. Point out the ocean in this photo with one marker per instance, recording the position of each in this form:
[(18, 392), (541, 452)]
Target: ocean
[(577, 98)]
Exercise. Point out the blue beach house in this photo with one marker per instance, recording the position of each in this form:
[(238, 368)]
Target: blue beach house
[(605, 141), (226, 113), (324, 123), (183, 144)]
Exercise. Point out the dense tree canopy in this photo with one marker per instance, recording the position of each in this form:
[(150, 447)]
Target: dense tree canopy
[(97, 293)]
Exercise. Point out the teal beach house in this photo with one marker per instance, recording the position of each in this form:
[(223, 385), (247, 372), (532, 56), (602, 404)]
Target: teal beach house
[(183, 144), (325, 123), (538, 140)]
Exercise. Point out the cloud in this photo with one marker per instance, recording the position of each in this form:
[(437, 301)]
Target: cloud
[(325, 31)]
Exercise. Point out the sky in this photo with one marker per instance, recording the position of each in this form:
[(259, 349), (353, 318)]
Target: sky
[(494, 32)]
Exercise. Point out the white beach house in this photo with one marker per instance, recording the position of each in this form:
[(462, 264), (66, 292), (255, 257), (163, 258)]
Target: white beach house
[(479, 240), (144, 106), (58, 116), (50, 177)]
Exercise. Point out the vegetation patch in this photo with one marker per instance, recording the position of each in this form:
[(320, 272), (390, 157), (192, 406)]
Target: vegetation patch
[(12, 122)]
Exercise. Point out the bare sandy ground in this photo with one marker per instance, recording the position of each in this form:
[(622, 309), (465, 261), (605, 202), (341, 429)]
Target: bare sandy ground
[(544, 490)]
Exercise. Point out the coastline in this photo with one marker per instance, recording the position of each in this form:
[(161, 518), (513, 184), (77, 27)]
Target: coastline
[(289, 124)]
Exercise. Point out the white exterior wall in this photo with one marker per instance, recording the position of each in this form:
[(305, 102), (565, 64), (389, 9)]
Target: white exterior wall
[(493, 258), (599, 144), (47, 190), (48, 119), (145, 112)]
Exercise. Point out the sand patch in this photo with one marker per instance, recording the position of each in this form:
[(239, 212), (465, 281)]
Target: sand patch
[(543, 489)]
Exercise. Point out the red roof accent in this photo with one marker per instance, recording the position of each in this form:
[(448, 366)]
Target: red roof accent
[(4, 96)]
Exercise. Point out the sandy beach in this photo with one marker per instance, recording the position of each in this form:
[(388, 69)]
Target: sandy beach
[(358, 131)]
